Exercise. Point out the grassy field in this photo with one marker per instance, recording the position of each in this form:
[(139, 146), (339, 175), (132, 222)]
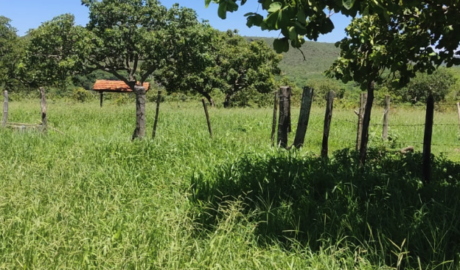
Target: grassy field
[(92, 199)]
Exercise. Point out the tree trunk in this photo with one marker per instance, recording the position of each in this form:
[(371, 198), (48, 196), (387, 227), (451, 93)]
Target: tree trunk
[(139, 132), (366, 122), (227, 100), (362, 106), (209, 98)]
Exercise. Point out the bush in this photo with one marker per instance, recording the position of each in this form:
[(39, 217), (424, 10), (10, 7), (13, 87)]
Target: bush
[(81, 95)]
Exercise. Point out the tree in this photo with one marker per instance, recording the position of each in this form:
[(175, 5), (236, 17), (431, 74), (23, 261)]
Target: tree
[(129, 36), (246, 65), (307, 18), (55, 51), (189, 60), (211, 59), (419, 88), (11, 49), (373, 46)]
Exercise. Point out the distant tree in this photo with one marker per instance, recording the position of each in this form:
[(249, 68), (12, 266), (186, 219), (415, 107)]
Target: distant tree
[(188, 60), (419, 88), (11, 49), (220, 60), (246, 65), (54, 52), (130, 37)]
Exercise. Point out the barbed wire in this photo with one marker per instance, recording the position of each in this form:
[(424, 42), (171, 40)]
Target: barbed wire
[(433, 144), (393, 125)]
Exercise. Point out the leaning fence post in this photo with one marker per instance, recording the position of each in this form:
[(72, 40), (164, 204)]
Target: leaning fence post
[(275, 108), (386, 114), (43, 105), (327, 123), (305, 108), (284, 121), (139, 132), (207, 116), (426, 166), (5, 108), (362, 106), (156, 115)]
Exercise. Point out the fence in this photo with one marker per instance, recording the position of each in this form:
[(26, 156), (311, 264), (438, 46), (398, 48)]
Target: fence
[(427, 131)]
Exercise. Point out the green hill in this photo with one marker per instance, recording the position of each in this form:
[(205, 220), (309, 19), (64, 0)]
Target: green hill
[(318, 58)]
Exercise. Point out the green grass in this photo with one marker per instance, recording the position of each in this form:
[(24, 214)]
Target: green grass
[(92, 199)]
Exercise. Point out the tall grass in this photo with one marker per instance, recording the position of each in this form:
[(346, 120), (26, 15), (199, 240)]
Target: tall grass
[(92, 199)]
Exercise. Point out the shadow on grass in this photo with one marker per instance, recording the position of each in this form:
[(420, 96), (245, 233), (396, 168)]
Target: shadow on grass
[(384, 209)]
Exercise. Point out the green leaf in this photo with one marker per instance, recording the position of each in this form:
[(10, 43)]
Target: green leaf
[(207, 2), (348, 4), (255, 20), (274, 7), (281, 45), (293, 34), (222, 11)]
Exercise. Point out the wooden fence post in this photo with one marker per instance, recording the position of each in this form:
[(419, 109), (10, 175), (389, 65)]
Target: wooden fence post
[(43, 105), (284, 121), (207, 116), (305, 108), (102, 97), (275, 108), (139, 132), (327, 124), (458, 110), (426, 165), (362, 106), (5, 108), (386, 114), (156, 115)]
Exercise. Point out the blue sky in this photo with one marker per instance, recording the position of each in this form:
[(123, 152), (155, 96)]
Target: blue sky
[(28, 14)]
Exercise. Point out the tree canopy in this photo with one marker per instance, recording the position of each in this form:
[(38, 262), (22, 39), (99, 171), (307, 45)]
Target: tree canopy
[(311, 18), (11, 48), (129, 37), (224, 61), (55, 51)]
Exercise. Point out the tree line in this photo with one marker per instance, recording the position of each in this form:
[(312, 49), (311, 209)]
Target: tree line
[(137, 41)]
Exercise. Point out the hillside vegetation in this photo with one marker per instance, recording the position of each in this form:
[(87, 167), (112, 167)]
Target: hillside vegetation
[(318, 58)]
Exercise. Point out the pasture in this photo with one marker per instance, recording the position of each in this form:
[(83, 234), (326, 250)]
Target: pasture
[(90, 198)]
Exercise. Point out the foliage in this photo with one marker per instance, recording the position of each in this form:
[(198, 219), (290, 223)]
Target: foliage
[(306, 198), (11, 49), (130, 38), (87, 81), (372, 46), (437, 84), (210, 59), (81, 95), (301, 18), (54, 52), (323, 87)]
